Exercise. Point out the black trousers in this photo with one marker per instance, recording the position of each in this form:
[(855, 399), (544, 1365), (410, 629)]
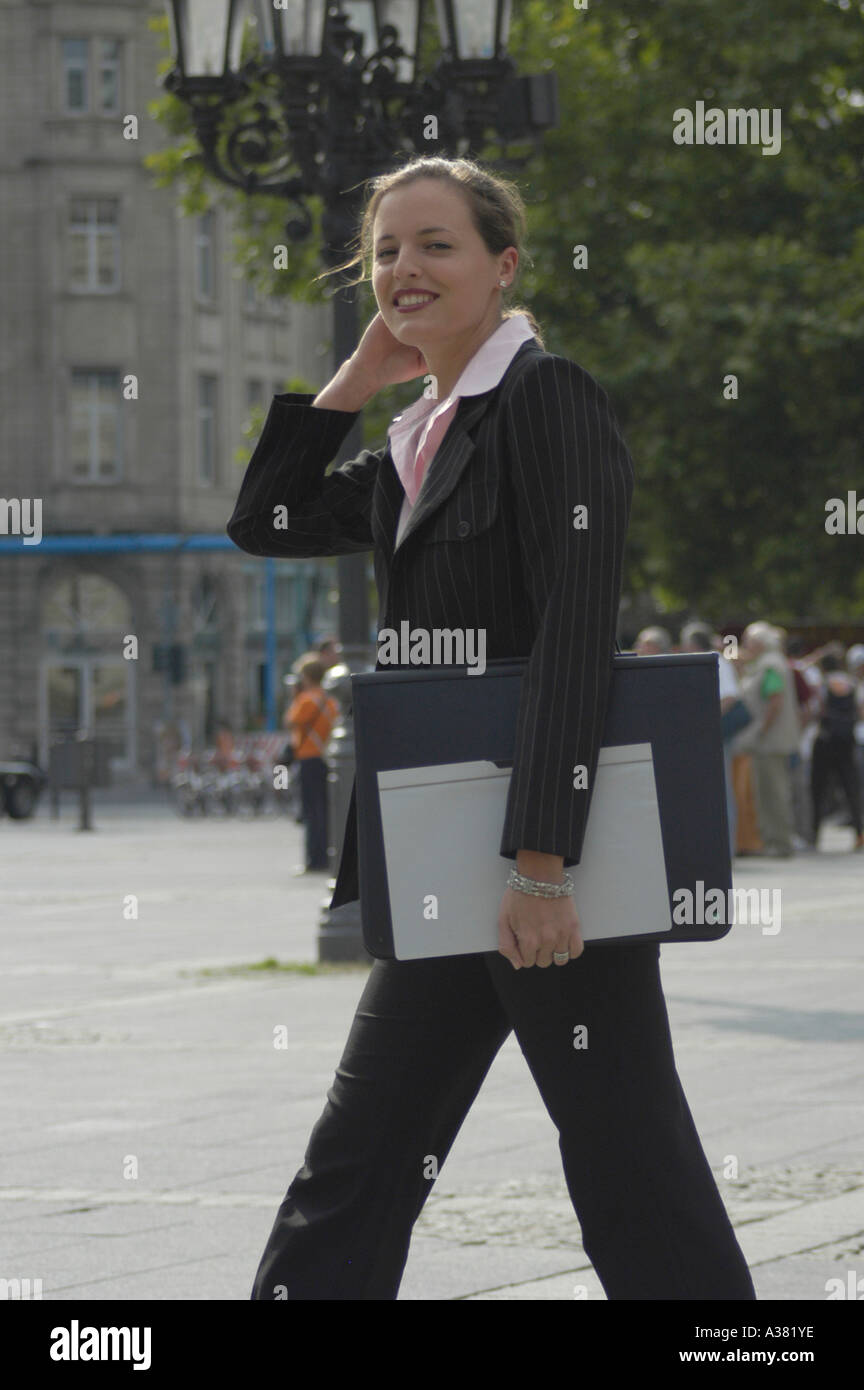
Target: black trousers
[(834, 757), (313, 804), (423, 1038)]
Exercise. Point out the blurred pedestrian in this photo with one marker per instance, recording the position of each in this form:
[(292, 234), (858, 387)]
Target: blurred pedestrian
[(855, 667), (311, 717), (653, 641), (834, 745), (748, 840), (698, 637), (770, 686), (807, 685)]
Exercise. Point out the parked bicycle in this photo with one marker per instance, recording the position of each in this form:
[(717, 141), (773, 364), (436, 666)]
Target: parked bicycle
[(211, 784)]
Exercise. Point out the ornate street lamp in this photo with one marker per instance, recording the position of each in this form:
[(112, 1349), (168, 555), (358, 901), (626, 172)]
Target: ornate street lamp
[(474, 31), (314, 97), (206, 39), (343, 77)]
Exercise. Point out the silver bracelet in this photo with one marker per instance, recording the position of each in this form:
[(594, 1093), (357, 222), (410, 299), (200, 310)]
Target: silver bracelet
[(538, 888)]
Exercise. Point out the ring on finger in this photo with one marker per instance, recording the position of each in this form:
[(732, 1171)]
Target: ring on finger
[(561, 957)]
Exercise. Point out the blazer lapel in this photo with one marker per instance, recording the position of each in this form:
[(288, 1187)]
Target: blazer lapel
[(386, 504), (450, 460), (445, 469)]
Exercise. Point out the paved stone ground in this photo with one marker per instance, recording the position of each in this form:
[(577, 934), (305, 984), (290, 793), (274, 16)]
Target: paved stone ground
[(118, 1045)]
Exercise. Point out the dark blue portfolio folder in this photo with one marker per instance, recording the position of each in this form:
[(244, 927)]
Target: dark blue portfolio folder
[(423, 717)]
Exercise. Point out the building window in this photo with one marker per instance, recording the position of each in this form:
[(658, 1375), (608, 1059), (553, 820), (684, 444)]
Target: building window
[(91, 66), (109, 75), (207, 387), (82, 610), (254, 393), (94, 244), (205, 256), (75, 64), (95, 440)]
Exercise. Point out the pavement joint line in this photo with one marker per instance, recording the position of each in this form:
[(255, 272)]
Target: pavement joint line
[(521, 1283), (95, 1200), (534, 1282), (792, 1154), (133, 1273), (805, 1250), (124, 970), (752, 1264), (194, 987), (240, 1199), (779, 1235)]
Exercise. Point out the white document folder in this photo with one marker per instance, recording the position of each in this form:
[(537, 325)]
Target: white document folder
[(442, 830)]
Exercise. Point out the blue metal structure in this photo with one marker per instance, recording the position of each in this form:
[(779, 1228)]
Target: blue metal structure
[(106, 545)]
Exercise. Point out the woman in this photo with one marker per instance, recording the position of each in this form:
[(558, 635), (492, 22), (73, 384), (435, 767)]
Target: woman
[(471, 513)]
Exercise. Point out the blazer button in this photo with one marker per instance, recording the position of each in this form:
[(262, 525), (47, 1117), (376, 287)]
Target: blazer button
[(463, 529)]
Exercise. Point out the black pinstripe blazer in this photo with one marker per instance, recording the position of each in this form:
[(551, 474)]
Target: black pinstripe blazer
[(491, 543)]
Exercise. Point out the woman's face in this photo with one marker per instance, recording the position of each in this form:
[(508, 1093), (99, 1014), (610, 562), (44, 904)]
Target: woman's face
[(424, 239)]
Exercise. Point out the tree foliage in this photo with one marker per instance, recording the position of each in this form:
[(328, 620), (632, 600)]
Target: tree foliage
[(706, 260)]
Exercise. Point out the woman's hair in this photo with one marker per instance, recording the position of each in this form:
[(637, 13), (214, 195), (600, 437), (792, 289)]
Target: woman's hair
[(495, 205)]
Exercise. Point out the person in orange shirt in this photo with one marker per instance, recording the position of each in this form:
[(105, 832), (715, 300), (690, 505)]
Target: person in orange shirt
[(311, 716)]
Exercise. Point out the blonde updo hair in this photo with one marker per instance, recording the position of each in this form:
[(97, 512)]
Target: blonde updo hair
[(495, 205)]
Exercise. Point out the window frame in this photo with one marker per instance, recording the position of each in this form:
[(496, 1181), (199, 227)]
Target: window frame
[(92, 235), (205, 412), (95, 64), (96, 410)]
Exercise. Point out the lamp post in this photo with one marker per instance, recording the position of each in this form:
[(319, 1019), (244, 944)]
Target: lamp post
[(294, 98)]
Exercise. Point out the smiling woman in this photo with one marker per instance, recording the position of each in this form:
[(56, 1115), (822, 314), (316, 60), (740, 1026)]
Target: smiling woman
[(449, 288), (469, 510)]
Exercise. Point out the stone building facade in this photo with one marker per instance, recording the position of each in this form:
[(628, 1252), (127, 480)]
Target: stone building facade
[(131, 355)]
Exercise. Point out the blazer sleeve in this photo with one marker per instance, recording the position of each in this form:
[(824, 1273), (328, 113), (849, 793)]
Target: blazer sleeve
[(565, 452), (287, 504)]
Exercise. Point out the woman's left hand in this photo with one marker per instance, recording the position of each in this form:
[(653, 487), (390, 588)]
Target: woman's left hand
[(531, 928)]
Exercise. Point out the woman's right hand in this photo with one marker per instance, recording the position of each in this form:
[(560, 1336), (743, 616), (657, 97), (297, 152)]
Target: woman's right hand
[(381, 360)]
